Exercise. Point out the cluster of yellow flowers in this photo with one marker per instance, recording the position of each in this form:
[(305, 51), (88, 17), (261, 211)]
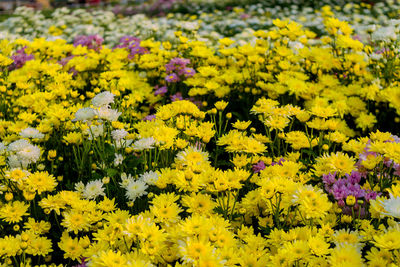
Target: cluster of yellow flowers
[(158, 154)]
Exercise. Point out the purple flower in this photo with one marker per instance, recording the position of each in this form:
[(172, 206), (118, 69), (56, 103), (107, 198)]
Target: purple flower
[(279, 162), (188, 72), (198, 103), (90, 41), (259, 166), (160, 91), (176, 64), (341, 203), (133, 45), (341, 188), (176, 69), (371, 195), (354, 177), (20, 58), (176, 97), (329, 179), (126, 41), (65, 60), (383, 50), (172, 78), (244, 16), (149, 118)]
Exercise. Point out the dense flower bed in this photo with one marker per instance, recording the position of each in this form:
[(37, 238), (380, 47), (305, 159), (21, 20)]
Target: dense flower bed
[(283, 151), (238, 23)]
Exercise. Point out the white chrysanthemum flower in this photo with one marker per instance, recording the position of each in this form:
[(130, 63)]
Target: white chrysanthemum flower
[(108, 113), (93, 189), (384, 34), (125, 179), (84, 114), (150, 177), (18, 145), (135, 189), (95, 131), (103, 99), (14, 162), (79, 187), (30, 154), (118, 159), (23, 153), (392, 206), (119, 134), (296, 45), (31, 133), (144, 143), (123, 143)]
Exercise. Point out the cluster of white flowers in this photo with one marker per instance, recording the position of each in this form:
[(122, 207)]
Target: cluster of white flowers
[(91, 190), (238, 25), (108, 114), (119, 134), (144, 143), (31, 133), (134, 188), (118, 159), (385, 34), (103, 110), (22, 153), (150, 177), (84, 114), (391, 207), (95, 131), (103, 99)]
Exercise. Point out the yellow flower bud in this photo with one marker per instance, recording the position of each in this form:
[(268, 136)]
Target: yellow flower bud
[(346, 219), (8, 196), (350, 200), (106, 180), (24, 237), (24, 245)]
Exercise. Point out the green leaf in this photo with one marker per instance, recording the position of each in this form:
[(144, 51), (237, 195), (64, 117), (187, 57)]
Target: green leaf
[(111, 172)]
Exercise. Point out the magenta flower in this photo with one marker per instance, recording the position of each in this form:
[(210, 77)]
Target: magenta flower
[(20, 58), (259, 166), (149, 118), (177, 69), (160, 91), (172, 78), (65, 60), (341, 188), (188, 72), (90, 41), (176, 97), (176, 64), (279, 162), (133, 45)]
